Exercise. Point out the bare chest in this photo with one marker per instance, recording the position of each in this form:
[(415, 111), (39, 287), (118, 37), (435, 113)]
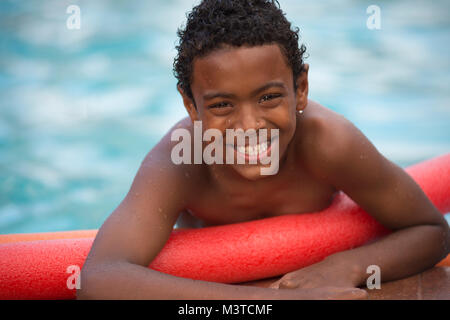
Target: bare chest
[(297, 193)]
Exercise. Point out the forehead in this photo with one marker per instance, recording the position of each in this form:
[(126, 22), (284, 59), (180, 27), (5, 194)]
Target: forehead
[(235, 69)]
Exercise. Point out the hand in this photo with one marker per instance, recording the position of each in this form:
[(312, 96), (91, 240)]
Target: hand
[(330, 272), (324, 293)]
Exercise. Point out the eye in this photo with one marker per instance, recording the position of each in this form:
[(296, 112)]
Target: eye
[(220, 108), (219, 105), (270, 97)]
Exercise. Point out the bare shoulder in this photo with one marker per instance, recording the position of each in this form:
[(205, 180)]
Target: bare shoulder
[(159, 163), (162, 186), (337, 152), (324, 133), (140, 226), (329, 143), (160, 154)]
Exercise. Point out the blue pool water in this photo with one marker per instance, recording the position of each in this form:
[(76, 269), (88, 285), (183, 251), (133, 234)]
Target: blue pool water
[(79, 109)]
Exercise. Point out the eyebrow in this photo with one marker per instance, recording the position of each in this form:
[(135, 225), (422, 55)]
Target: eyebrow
[(212, 95), (276, 84)]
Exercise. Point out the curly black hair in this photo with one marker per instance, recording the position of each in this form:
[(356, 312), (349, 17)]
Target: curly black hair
[(214, 23)]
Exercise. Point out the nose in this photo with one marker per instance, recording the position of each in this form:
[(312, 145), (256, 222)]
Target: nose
[(249, 118)]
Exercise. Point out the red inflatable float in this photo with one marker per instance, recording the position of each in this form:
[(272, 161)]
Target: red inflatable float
[(45, 266)]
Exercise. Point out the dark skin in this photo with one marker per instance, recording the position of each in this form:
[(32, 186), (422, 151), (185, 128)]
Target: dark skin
[(320, 153)]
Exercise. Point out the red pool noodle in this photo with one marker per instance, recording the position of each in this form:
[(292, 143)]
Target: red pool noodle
[(229, 254)]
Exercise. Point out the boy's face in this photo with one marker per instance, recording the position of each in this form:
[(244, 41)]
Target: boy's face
[(247, 88)]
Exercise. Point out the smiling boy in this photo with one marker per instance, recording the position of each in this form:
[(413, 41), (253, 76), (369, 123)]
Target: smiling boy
[(239, 67)]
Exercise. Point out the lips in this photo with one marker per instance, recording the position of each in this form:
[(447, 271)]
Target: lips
[(254, 152)]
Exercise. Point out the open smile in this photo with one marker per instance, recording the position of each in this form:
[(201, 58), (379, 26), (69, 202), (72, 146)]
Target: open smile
[(253, 152)]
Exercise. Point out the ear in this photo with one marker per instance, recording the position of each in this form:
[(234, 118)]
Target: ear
[(302, 88), (189, 105)]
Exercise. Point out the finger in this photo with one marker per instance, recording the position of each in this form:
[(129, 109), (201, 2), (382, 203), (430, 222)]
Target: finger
[(360, 294), (288, 284), (353, 294), (275, 285)]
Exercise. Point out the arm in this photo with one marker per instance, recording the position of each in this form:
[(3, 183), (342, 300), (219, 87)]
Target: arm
[(345, 158), (137, 230), (420, 237), (132, 236)]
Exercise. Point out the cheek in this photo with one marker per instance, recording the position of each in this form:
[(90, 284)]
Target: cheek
[(215, 126), (214, 123), (286, 118)]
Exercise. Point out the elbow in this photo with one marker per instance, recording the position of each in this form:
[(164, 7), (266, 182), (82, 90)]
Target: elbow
[(99, 280), (444, 237), (89, 284), (437, 237), (85, 292), (447, 238)]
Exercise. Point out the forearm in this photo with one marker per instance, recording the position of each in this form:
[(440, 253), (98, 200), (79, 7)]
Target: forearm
[(123, 280), (401, 254)]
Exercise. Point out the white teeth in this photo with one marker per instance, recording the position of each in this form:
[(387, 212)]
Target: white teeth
[(253, 150), (263, 147)]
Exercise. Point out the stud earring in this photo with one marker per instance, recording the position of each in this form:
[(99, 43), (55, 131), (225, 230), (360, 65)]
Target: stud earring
[(300, 111)]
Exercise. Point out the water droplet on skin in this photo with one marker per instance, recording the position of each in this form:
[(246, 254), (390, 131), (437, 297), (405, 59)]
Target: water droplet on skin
[(160, 210)]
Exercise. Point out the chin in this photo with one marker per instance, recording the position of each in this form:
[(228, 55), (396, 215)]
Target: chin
[(251, 172), (258, 171)]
